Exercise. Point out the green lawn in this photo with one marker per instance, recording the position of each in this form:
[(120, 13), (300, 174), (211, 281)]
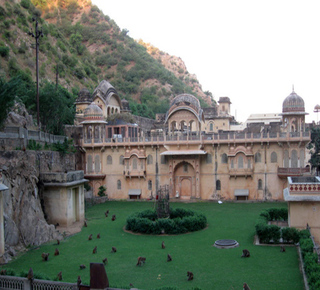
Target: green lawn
[(213, 268)]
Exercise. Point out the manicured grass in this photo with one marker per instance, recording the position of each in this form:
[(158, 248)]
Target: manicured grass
[(213, 268)]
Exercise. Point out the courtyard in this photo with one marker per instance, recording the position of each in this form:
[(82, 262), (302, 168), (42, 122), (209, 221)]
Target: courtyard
[(213, 268)]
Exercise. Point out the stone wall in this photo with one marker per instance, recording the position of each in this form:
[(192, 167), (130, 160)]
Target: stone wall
[(24, 221)]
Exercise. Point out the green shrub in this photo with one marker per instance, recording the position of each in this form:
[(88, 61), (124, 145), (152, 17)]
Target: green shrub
[(102, 191), (87, 186), (25, 4), (290, 235), (184, 221), (33, 145), (306, 246), (4, 51), (304, 234)]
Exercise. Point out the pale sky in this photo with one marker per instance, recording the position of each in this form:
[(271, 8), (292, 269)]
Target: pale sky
[(251, 51)]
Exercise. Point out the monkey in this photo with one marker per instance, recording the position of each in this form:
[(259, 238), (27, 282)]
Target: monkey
[(79, 281), (190, 275), (114, 249), (106, 213), (58, 242), (59, 276), (30, 274), (98, 236), (113, 217), (282, 249), (245, 253), (163, 245), (56, 225), (4, 272), (90, 237), (245, 286), (131, 285), (85, 224), (82, 266), (45, 256), (141, 260), (105, 261), (169, 258), (94, 250), (56, 252)]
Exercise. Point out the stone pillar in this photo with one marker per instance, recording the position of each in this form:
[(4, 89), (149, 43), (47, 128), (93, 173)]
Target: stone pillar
[(2, 188)]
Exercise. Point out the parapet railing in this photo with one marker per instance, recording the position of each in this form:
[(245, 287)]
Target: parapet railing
[(22, 133), (17, 283), (230, 137)]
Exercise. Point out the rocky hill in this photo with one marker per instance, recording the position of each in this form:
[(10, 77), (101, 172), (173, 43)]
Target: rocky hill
[(81, 46)]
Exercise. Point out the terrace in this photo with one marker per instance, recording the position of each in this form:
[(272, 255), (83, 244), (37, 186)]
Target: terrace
[(190, 139)]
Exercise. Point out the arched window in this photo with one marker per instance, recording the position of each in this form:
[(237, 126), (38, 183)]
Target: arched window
[(274, 157), (121, 160), (218, 185), (209, 158), (97, 164), (149, 184), (224, 158), (149, 159), (259, 184), (134, 163), (211, 127), (294, 159), (286, 159), (249, 163), (257, 157), (301, 158), (109, 159), (89, 164), (240, 161), (119, 184)]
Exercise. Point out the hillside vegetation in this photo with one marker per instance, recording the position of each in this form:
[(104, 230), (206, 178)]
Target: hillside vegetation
[(81, 46)]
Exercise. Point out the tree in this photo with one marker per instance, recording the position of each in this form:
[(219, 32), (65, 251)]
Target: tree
[(56, 107), (8, 92), (314, 147)]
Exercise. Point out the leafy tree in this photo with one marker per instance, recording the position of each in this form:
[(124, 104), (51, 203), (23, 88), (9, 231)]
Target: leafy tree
[(56, 107), (314, 147), (8, 92)]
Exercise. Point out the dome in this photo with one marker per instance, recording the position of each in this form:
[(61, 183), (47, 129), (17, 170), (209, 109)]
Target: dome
[(186, 99), (93, 112), (185, 102), (84, 96), (293, 103)]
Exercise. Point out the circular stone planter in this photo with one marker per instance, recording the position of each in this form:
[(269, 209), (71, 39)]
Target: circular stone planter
[(226, 244)]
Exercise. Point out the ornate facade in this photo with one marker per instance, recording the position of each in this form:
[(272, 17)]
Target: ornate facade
[(199, 153)]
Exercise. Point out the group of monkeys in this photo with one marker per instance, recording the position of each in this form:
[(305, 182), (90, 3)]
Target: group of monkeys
[(140, 262)]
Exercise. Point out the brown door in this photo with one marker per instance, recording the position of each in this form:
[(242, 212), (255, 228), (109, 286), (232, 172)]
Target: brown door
[(185, 187)]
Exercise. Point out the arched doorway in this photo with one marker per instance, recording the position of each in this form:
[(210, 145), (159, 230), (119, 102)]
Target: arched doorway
[(184, 180)]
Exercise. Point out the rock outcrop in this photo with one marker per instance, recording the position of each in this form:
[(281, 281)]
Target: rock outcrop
[(24, 220)]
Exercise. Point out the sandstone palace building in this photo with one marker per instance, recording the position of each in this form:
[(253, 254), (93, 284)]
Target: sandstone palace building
[(199, 153)]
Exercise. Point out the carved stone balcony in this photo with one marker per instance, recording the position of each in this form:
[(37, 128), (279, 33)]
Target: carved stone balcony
[(240, 172), (135, 173), (284, 172)]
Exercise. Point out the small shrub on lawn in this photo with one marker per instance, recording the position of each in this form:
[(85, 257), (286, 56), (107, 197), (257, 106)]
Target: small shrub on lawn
[(306, 246), (180, 221), (290, 235)]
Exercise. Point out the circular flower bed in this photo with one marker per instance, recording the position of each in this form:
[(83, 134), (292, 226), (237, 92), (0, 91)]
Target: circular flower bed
[(179, 222)]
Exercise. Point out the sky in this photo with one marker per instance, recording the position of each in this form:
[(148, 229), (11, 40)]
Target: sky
[(252, 51)]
